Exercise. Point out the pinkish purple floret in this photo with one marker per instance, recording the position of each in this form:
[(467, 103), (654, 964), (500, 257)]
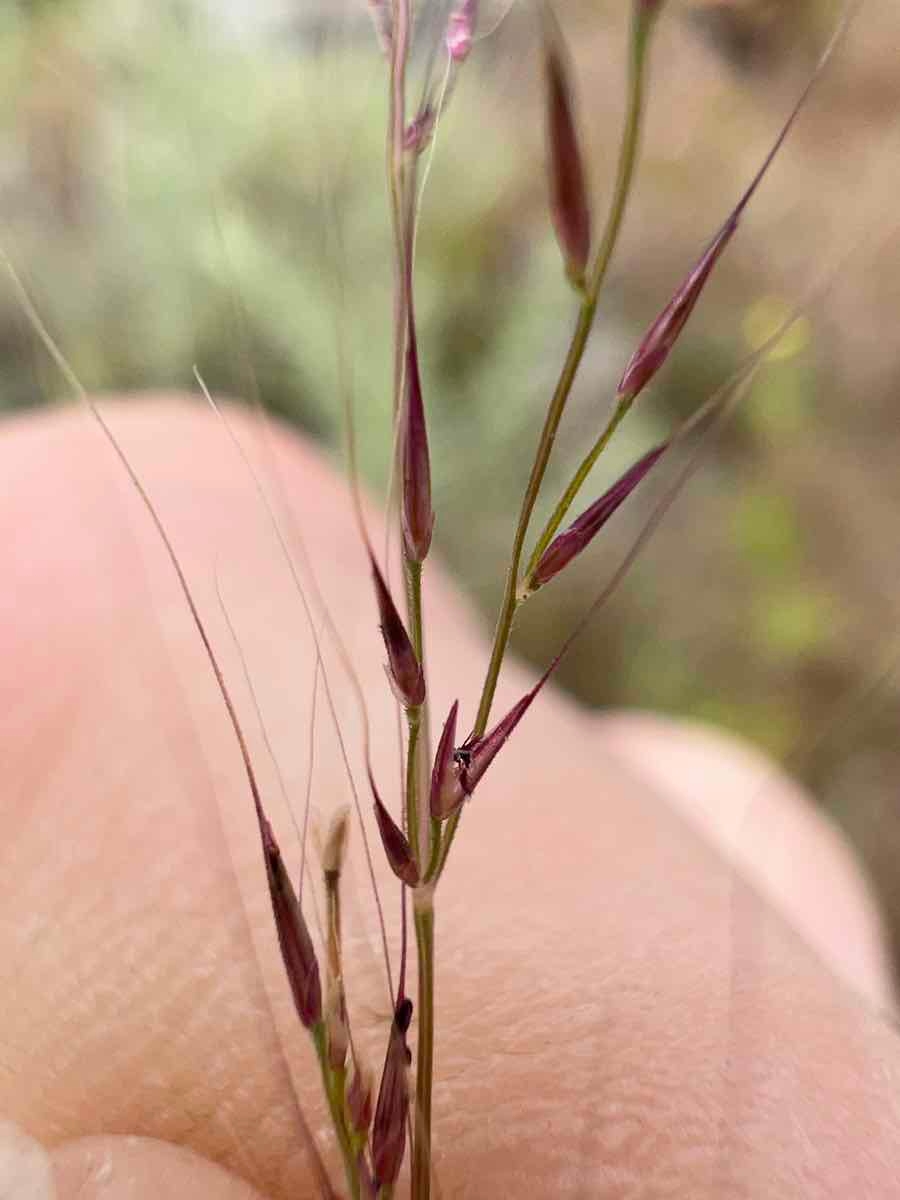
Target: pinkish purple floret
[(481, 752), (297, 953), (417, 513), (461, 30), (447, 791), (657, 342), (404, 670), (396, 846), (582, 531), (569, 206), (389, 1125)]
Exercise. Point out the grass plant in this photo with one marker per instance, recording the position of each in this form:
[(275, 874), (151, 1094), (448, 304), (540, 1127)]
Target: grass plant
[(378, 1125)]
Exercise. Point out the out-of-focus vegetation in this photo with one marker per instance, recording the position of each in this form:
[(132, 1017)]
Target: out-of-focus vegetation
[(186, 183)]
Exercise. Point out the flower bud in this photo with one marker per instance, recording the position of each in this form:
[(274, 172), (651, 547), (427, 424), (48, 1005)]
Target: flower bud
[(404, 670), (566, 545)]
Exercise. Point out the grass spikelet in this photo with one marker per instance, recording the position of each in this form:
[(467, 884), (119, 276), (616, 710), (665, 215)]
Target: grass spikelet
[(569, 206), (396, 844), (572, 541), (404, 670), (392, 1109)]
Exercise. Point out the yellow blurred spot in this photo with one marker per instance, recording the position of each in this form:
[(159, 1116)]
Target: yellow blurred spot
[(763, 319)]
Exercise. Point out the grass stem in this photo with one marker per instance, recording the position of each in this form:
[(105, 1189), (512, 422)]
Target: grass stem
[(423, 916), (333, 1083)]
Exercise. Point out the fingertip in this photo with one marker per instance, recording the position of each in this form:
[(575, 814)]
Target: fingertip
[(138, 1168), (26, 1172), (768, 827)]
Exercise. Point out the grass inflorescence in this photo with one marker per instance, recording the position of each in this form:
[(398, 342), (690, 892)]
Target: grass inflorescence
[(379, 1123)]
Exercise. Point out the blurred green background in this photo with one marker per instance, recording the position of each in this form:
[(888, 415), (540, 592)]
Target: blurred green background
[(203, 183)]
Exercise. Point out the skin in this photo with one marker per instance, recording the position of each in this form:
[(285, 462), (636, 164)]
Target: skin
[(659, 973)]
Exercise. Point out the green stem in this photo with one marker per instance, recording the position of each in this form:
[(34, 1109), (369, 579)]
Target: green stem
[(413, 725), (333, 1082), (420, 829), (624, 176), (397, 183), (421, 1163), (573, 489)]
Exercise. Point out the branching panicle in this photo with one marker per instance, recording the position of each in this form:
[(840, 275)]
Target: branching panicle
[(372, 1135)]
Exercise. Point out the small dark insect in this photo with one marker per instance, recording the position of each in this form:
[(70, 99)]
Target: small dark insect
[(462, 756)]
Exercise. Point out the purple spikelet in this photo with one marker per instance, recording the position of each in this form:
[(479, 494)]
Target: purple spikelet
[(476, 755), (570, 543), (657, 342), (389, 1125), (461, 30), (569, 206), (396, 846), (359, 1099), (403, 667), (296, 946), (447, 792), (416, 511), (418, 132)]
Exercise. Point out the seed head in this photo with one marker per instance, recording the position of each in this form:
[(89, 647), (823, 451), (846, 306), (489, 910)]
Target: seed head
[(569, 206), (446, 785), (297, 951), (404, 670), (417, 513), (396, 847), (582, 531)]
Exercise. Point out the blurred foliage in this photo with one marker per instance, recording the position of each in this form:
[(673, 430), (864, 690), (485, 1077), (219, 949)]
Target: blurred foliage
[(175, 196)]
